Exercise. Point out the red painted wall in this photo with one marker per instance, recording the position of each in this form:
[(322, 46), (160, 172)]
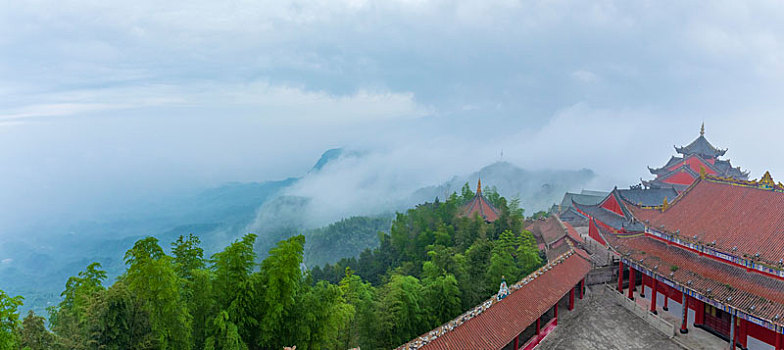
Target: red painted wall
[(696, 163), (611, 204), (680, 178), (593, 232), (761, 333)]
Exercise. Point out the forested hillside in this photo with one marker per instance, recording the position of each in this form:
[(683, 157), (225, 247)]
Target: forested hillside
[(430, 267)]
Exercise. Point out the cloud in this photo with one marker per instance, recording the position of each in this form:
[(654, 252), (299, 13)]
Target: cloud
[(585, 76), (104, 101)]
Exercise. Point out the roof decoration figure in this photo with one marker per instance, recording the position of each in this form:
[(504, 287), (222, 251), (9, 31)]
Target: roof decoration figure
[(503, 290)]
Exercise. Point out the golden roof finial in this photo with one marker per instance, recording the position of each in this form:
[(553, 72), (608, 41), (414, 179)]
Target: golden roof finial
[(479, 186), (767, 179), (702, 129)]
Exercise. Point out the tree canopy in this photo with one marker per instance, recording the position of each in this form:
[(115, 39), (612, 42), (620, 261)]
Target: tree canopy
[(432, 265)]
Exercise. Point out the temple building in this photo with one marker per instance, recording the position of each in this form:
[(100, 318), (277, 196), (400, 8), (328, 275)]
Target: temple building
[(527, 312), (566, 211), (479, 205), (700, 155), (712, 256), (551, 236)]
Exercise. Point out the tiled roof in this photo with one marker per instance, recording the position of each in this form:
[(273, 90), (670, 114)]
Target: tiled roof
[(591, 197), (572, 233), (553, 233), (725, 283), (494, 324), (741, 217), (480, 205), (549, 229), (702, 147), (648, 197), (673, 161), (607, 217), (611, 218)]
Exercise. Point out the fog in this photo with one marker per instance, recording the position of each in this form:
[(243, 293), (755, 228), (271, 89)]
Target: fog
[(107, 108)]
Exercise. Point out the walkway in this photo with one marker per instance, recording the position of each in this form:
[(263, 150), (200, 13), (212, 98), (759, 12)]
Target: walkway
[(599, 322)]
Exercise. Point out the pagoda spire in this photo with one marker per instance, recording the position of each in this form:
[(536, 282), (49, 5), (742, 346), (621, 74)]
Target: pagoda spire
[(702, 129), (479, 187)]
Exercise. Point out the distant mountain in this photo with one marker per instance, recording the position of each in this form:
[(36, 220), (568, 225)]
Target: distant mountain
[(39, 268)]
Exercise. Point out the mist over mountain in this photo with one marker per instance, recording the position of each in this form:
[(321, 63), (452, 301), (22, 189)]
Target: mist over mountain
[(346, 192)]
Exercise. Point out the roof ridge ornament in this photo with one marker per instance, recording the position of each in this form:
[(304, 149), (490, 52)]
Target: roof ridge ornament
[(479, 187), (702, 129)]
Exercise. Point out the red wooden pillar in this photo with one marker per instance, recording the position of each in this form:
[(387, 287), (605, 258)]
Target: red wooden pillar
[(778, 338), (582, 288), (539, 325), (666, 293), (571, 299), (685, 312), (653, 295), (744, 333), (555, 322), (517, 342), (642, 287), (631, 283), (620, 276)]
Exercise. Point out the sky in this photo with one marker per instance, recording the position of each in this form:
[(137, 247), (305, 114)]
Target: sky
[(104, 103)]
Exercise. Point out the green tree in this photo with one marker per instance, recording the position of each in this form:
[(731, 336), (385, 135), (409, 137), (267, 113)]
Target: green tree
[(68, 319), (9, 320), (152, 278), (442, 298), (476, 288), (319, 316), (224, 334), (465, 193), (188, 256), (201, 305), (233, 267), (33, 334), (116, 320), (402, 313), (528, 258), (281, 280), (360, 330)]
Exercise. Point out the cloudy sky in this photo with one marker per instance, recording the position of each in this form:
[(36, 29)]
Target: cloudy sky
[(103, 102)]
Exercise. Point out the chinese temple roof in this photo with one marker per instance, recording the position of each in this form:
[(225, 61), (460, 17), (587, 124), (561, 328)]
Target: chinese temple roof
[(612, 211), (494, 324), (699, 156), (732, 285), (701, 147), (649, 196), (479, 206), (735, 216), (552, 232)]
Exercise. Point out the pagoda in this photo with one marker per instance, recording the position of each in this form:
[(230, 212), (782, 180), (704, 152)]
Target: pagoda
[(696, 157), (479, 205)]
